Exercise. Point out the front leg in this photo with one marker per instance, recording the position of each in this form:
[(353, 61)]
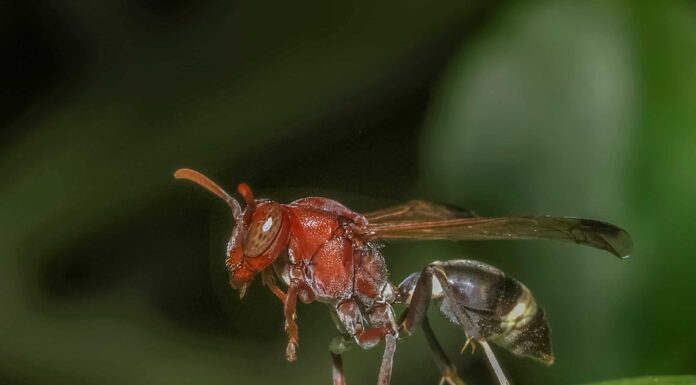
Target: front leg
[(268, 280), (297, 288), (290, 311), (289, 300)]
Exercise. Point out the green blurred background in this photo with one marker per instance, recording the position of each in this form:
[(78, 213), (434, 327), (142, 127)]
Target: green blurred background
[(111, 272)]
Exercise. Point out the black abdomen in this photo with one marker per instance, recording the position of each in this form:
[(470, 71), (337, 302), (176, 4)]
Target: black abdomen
[(504, 309)]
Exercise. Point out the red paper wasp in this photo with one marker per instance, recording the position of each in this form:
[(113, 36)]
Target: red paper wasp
[(322, 251)]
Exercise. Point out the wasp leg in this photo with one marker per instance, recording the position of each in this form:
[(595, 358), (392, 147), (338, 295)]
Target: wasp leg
[(447, 370), (339, 345), (494, 363), (337, 369), (420, 297), (367, 334), (371, 337), (437, 269), (289, 309), (268, 280), (385, 370), (469, 341), (405, 295), (384, 326)]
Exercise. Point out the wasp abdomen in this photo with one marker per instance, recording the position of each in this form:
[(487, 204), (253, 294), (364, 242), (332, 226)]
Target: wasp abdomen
[(523, 328), (504, 310)]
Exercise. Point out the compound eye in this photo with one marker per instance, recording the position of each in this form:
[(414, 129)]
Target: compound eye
[(263, 232)]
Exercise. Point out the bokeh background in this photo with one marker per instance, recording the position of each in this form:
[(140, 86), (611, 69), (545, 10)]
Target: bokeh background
[(111, 272)]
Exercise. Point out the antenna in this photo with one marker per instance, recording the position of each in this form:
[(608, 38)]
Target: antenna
[(245, 191), (198, 178)]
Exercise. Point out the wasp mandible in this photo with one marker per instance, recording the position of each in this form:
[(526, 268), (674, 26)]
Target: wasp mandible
[(320, 250)]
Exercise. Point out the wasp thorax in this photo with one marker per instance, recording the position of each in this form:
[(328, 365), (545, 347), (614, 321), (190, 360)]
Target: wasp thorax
[(262, 231)]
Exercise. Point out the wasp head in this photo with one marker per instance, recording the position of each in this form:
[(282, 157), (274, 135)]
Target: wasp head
[(260, 232)]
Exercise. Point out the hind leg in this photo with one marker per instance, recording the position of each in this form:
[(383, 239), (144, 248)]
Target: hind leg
[(448, 371), (420, 296)]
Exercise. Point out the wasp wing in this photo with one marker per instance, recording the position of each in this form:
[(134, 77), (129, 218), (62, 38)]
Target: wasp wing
[(422, 220), (417, 210)]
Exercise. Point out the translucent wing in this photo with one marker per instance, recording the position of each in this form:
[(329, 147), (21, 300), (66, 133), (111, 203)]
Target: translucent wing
[(417, 210), (423, 220)]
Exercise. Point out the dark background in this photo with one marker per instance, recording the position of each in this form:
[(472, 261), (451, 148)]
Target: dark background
[(112, 272)]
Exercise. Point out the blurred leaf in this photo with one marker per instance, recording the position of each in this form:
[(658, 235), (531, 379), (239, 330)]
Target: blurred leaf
[(662, 188)]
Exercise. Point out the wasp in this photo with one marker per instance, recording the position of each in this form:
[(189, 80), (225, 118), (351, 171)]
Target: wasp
[(320, 250)]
